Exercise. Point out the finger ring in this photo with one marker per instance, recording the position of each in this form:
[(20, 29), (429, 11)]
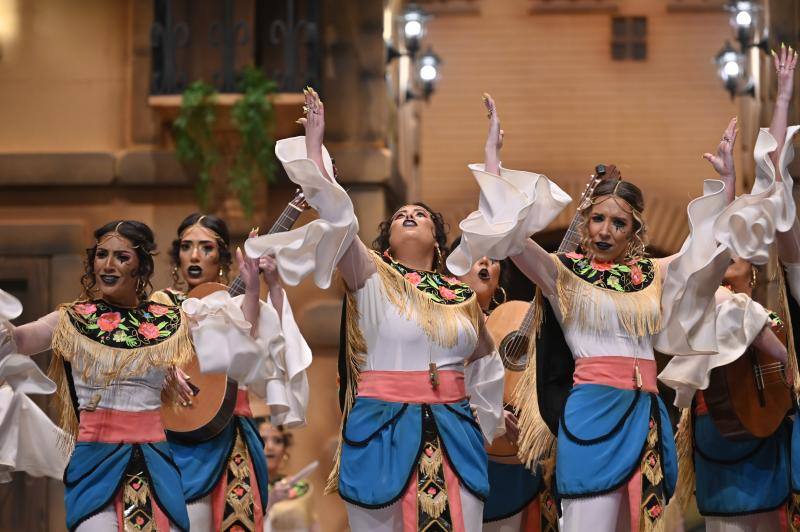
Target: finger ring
[(726, 139)]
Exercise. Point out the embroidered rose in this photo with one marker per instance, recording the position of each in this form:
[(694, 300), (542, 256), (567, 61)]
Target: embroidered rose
[(636, 275), (573, 255), (652, 461), (292, 493), (451, 280), (602, 266), (431, 491), (413, 278), (139, 520), (655, 511), (447, 293), (85, 308), (796, 520), (157, 310), (149, 330), (109, 321)]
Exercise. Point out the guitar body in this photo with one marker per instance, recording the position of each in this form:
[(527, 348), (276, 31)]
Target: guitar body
[(736, 405), (212, 407), (503, 325)]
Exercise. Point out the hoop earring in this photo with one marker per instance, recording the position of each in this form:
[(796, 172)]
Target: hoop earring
[(635, 249), (505, 296)]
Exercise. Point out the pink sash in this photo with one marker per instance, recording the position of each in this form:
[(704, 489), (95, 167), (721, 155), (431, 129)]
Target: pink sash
[(117, 426)]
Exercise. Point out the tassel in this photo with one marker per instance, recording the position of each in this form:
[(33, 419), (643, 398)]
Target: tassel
[(593, 307), (99, 364), (429, 465), (67, 416), (433, 506), (684, 443), (535, 439), (356, 357)]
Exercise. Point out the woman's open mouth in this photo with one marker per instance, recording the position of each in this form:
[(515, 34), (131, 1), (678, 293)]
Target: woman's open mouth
[(109, 280), (602, 246), (194, 271), (484, 275), (409, 223)]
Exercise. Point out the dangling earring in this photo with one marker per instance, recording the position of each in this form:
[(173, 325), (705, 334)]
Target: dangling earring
[(140, 284), (753, 276), (438, 258), (505, 297), (175, 277)]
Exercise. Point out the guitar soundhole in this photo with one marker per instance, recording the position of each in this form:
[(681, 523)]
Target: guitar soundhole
[(514, 351)]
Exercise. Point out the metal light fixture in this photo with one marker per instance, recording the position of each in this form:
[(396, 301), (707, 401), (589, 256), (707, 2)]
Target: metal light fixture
[(413, 21), (428, 71), (732, 70), (745, 20)]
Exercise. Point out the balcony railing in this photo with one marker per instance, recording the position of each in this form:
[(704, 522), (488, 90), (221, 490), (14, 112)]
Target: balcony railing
[(213, 40)]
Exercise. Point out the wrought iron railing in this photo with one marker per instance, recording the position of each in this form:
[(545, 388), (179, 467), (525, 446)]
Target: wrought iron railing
[(213, 40)]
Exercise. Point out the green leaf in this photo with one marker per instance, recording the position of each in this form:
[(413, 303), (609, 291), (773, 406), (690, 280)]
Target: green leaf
[(161, 325), (92, 326), (613, 282), (123, 327), (133, 320)]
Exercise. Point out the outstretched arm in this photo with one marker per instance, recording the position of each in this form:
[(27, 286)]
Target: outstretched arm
[(494, 140), (355, 266), (248, 269), (785, 62)]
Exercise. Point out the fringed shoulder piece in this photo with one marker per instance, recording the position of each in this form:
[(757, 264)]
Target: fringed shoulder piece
[(438, 303), (104, 343), (535, 439), (169, 297), (591, 294), (355, 354)]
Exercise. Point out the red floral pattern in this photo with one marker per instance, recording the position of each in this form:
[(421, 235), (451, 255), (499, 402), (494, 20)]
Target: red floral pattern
[(109, 321)]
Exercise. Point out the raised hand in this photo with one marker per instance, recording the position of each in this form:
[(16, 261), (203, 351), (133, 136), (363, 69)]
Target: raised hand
[(248, 270), (785, 62), (314, 124), (269, 269), (723, 160), (494, 140)]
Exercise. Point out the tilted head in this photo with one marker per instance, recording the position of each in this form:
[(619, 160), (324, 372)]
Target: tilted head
[(201, 252)]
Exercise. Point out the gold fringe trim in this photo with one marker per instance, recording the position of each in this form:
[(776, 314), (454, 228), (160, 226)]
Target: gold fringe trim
[(430, 465), (791, 366), (535, 439), (685, 451), (433, 506), (584, 303), (67, 417), (101, 365), (356, 350), (440, 322)]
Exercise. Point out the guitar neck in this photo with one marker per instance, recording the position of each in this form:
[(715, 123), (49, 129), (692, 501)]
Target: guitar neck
[(284, 222)]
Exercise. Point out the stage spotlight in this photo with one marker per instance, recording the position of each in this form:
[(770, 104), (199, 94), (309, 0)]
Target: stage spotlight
[(744, 20), (413, 21), (731, 68)]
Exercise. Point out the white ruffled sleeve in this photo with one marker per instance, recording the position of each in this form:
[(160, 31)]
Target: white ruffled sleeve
[(287, 389), (222, 340), (739, 320), (10, 308), (512, 207), (27, 436), (318, 246), (691, 280), (484, 379), (749, 225)]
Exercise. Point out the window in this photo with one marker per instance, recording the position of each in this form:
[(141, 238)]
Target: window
[(629, 38)]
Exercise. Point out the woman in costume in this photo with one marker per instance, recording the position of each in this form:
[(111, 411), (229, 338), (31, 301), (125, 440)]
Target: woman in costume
[(742, 484), (515, 492), (113, 350), (412, 454), (615, 465), (290, 504), (225, 478)]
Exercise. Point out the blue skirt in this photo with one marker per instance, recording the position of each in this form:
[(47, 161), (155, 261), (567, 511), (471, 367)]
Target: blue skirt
[(512, 487), (602, 437), (96, 471), (739, 477), (382, 441), (203, 464)]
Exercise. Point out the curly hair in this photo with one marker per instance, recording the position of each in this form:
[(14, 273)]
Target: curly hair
[(286, 436), (381, 243), (141, 237), (215, 224), (634, 197)]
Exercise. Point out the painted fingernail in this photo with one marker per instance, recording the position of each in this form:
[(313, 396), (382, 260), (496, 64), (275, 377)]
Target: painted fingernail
[(783, 46), (299, 121)]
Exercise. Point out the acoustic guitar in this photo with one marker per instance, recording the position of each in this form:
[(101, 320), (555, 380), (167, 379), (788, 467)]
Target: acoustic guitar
[(751, 396), (215, 393), (511, 323)]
